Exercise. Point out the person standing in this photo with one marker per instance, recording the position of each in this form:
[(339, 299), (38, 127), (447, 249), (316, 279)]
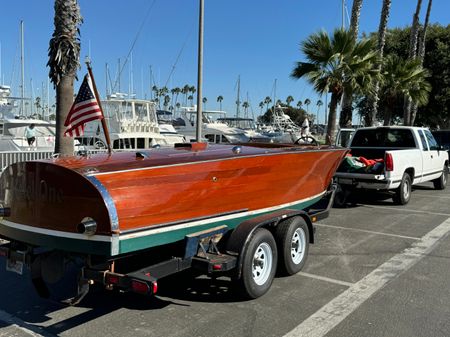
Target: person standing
[(305, 127), (30, 134)]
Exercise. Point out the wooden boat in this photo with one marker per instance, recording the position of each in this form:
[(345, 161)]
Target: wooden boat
[(125, 202)]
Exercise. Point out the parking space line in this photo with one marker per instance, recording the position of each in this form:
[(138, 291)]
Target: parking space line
[(326, 279), (367, 231), (22, 326), (403, 210), (335, 311)]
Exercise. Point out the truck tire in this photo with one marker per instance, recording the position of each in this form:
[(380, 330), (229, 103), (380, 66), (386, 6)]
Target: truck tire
[(292, 237), (441, 182), (259, 264), (403, 192)]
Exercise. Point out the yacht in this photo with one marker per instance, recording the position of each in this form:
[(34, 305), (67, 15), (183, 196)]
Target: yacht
[(213, 130), (132, 124)]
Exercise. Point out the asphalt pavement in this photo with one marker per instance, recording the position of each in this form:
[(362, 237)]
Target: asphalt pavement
[(376, 269)]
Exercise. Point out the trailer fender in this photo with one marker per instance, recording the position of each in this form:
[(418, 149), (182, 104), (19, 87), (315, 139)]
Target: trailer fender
[(239, 238)]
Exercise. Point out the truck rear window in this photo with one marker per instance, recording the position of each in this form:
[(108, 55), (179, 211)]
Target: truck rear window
[(384, 137)]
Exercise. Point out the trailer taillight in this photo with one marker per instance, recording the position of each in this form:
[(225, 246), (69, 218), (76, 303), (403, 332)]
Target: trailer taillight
[(112, 279), (388, 162), (139, 287)]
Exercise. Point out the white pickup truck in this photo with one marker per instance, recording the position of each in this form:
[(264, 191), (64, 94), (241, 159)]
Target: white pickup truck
[(393, 159)]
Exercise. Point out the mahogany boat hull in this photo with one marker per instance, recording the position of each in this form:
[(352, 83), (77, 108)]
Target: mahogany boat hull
[(157, 197)]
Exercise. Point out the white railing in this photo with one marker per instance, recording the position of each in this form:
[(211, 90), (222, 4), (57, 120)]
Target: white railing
[(10, 157)]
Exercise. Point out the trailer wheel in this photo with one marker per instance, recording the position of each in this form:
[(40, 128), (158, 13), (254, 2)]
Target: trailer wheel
[(340, 196), (441, 182), (292, 236), (403, 192), (259, 263)]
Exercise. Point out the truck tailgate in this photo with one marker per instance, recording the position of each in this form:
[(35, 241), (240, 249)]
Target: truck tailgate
[(348, 178)]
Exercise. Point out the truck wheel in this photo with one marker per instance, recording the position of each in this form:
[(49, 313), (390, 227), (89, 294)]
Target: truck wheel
[(441, 182), (292, 236), (259, 263), (403, 192)]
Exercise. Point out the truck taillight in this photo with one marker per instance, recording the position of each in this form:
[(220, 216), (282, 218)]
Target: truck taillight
[(388, 162)]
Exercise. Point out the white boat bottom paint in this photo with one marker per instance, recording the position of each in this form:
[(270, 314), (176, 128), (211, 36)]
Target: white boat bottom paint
[(335, 311)]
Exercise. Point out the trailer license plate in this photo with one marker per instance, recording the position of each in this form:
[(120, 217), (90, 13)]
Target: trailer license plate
[(14, 266)]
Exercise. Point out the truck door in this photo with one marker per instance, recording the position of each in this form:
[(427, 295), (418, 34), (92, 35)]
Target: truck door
[(427, 164), (437, 156)]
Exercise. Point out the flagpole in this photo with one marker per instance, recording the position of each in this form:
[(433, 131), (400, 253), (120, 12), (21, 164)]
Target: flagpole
[(105, 127)]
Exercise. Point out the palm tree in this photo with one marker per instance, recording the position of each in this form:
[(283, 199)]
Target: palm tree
[(220, 99), (421, 54), (307, 103), (385, 11), (191, 99), (185, 91), (166, 101), (335, 63), (299, 104), (261, 107), (289, 100), (204, 100), (345, 119), (412, 54), (319, 104), (403, 78), (246, 105), (64, 55), (267, 101)]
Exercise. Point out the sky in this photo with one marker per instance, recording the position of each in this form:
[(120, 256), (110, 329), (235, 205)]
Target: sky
[(256, 40)]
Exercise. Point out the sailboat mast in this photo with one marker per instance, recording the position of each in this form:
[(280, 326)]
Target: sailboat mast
[(22, 70), (238, 102), (198, 135)]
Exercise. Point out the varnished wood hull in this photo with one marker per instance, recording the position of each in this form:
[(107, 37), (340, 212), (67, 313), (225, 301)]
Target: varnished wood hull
[(144, 201)]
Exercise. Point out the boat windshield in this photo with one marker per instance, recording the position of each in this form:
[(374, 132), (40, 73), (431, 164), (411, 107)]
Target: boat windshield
[(241, 123)]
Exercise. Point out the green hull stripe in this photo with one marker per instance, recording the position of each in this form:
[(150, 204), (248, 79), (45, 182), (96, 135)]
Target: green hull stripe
[(153, 240)]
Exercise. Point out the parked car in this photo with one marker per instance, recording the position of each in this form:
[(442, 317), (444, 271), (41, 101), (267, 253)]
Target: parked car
[(443, 138), (392, 159)]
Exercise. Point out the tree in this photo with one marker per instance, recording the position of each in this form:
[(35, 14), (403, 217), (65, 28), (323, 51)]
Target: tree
[(307, 103), (191, 99), (403, 78), (261, 106), (385, 11), (319, 104), (289, 100), (64, 55), (421, 54), (299, 104), (220, 99), (267, 101), (204, 100), (246, 105), (345, 119), (414, 34), (335, 63)]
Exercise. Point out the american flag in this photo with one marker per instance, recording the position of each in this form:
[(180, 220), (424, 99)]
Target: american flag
[(84, 109)]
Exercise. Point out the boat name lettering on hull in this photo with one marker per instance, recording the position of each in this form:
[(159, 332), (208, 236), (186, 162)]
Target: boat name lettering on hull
[(31, 189)]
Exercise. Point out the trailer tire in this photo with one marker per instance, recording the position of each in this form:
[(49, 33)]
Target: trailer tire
[(259, 264), (441, 182), (340, 197), (292, 237), (403, 192)]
